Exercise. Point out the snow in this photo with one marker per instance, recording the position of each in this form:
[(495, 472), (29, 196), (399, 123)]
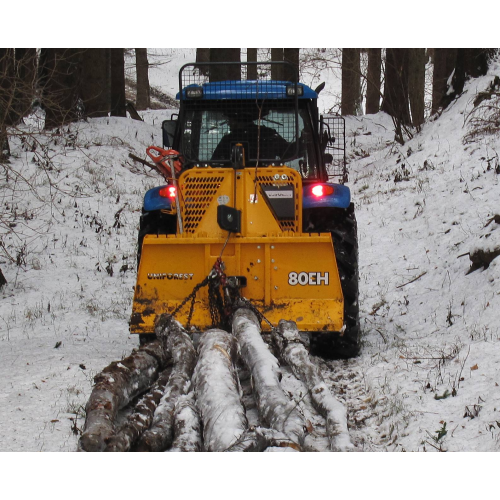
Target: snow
[(431, 332)]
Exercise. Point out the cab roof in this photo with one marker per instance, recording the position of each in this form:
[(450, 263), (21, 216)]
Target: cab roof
[(247, 89)]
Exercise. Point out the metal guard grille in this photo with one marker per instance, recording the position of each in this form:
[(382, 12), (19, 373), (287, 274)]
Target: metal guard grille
[(197, 194), (291, 180)]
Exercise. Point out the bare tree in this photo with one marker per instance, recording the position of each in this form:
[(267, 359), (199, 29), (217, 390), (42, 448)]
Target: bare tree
[(95, 84), (252, 69), (396, 101), (451, 69), (118, 103), (230, 72), (373, 81), (60, 71), (25, 65), (6, 98), (444, 64), (417, 86), (202, 56), (351, 86), (291, 56), (276, 70), (142, 68)]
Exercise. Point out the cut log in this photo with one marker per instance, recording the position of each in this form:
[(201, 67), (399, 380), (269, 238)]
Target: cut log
[(179, 346), (295, 355), (114, 388), (141, 418), (187, 425), (275, 409), (218, 391)]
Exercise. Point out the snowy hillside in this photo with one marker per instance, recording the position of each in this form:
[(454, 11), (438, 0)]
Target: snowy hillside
[(429, 369)]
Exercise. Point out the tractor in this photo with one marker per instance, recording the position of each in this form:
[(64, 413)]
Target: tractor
[(255, 210)]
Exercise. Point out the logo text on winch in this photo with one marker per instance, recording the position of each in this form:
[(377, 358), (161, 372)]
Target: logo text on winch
[(304, 278), (170, 276)]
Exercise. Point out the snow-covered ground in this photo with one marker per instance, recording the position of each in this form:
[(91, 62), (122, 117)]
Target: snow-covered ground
[(429, 363)]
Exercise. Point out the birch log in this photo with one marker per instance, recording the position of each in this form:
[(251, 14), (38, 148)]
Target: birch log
[(275, 409), (187, 425), (295, 355), (218, 391), (178, 345), (141, 419), (114, 388)]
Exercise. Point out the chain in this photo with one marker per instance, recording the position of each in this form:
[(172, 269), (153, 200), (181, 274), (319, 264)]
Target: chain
[(244, 302), (221, 308)]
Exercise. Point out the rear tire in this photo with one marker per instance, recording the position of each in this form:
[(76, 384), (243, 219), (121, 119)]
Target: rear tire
[(343, 228)]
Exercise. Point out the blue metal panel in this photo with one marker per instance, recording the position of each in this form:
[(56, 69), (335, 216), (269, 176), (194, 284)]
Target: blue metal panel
[(341, 198), (249, 89), (153, 200)]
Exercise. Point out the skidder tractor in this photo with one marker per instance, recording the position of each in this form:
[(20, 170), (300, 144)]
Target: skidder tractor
[(255, 210)]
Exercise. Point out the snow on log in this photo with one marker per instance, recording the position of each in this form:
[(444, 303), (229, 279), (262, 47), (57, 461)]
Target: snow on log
[(259, 439), (141, 418), (275, 409), (187, 425), (114, 388), (296, 356), (179, 346), (218, 391)]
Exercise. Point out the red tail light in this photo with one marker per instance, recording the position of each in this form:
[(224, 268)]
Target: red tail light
[(168, 192), (321, 190)]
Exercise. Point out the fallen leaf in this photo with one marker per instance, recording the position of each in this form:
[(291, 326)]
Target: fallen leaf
[(54, 421), (309, 427), (475, 367)]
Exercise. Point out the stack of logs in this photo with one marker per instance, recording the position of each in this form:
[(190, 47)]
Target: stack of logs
[(191, 399)]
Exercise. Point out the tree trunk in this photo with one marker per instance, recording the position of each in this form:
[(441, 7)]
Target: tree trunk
[(417, 86), (276, 69), (373, 81), (252, 68), (114, 388), (291, 56), (218, 390), (7, 87), (396, 99), (3, 281), (6, 98), (457, 64), (142, 68), (476, 61), (142, 417), (230, 72), (179, 346), (444, 64), (95, 82), (275, 409), (118, 83), (26, 61), (60, 90), (351, 82), (203, 56), (296, 356)]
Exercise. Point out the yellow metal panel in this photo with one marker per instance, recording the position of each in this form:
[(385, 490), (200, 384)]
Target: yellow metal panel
[(291, 277)]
